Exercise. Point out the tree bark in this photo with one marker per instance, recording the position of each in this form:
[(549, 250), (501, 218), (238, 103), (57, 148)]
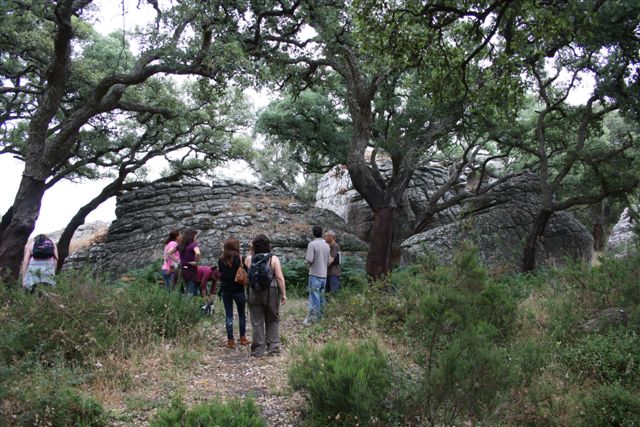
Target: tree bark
[(26, 208), (597, 216), (78, 219), (529, 254), (6, 219), (380, 242)]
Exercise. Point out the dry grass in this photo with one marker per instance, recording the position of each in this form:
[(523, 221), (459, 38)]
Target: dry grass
[(134, 386)]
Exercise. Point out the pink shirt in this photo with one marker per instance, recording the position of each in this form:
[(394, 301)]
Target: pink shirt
[(171, 255)]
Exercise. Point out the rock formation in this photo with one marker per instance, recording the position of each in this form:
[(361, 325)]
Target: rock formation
[(622, 239), (86, 236), (145, 217), (336, 193), (498, 223)]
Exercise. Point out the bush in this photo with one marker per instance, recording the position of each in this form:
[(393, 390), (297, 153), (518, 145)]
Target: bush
[(612, 357), (296, 273), (82, 317), (344, 386), (610, 405), (46, 396), (235, 413)]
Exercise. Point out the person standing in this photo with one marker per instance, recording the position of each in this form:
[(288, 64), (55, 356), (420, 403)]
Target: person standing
[(171, 259), (318, 259), (39, 263), (232, 291), (264, 305), (189, 258), (334, 270)]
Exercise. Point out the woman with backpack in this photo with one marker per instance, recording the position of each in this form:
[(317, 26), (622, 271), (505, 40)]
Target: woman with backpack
[(231, 291), (267, 291), (171, 259), (39, 263), (189, 258)]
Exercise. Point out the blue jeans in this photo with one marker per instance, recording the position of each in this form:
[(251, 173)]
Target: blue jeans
[(241, 299), (192, 289), (316, 296), (168, 279), (333, 284)]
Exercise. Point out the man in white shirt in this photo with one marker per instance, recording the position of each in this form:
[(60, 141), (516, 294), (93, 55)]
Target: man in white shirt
[(318, 259)]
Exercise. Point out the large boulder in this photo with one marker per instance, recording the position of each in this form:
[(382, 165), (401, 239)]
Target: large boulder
[(623, 236), (498, 223), (217, 211), (336, 193)]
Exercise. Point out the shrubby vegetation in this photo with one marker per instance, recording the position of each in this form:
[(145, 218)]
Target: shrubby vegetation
[(296, 273), (429, 345), (344, 386), (48, 341), (468, 346), (235, 413)]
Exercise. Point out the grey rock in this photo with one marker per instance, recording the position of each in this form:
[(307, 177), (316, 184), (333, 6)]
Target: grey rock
[(605, 319), (623, 238), (336, 193), (498, 223), (147, 215)]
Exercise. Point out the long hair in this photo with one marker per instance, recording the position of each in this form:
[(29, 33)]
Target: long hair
[(188, 236), (173, 235), (230, 250), (261, 244)]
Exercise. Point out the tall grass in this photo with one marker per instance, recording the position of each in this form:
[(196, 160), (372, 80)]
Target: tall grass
[(48, 341)]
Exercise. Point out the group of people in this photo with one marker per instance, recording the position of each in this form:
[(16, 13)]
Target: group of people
[(181, 264)]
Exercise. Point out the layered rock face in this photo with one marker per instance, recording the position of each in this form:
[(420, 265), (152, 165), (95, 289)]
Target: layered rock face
[(498, 223), (85, 236), (146, 216), (622, 240), (336, 193)]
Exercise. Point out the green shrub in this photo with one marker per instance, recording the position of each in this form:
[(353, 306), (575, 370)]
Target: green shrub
[(296, 273), (82, 316), (47, 396), (344, 386), (611, 357), (610, 405), (235, 413)]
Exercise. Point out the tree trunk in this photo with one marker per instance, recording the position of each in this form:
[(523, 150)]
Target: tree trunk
[(529, 255), (6, 219), (597, 217), (26, 208), (78, 219), (380, 242)]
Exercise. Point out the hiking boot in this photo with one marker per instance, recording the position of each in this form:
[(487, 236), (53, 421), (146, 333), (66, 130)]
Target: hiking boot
[(244, 340), (231, 344)]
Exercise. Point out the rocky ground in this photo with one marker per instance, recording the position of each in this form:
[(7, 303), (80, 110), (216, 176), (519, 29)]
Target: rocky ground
[(157, 374)]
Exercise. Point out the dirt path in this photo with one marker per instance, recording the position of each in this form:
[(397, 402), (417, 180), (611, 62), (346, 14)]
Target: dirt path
[(218, 372)]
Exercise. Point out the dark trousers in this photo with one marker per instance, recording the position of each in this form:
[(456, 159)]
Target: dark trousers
[(241, 300)]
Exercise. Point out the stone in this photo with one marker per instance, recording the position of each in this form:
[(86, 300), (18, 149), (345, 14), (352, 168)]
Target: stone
[(336, 193), (623, 237), (498, 223), (147, 215), (604, 319)]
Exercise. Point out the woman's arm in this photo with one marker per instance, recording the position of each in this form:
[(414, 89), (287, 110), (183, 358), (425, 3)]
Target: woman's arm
[(277, 269), (197, 252)]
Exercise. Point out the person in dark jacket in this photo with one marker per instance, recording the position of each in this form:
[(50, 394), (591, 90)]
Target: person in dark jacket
[(231, 291), (189, 258)]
